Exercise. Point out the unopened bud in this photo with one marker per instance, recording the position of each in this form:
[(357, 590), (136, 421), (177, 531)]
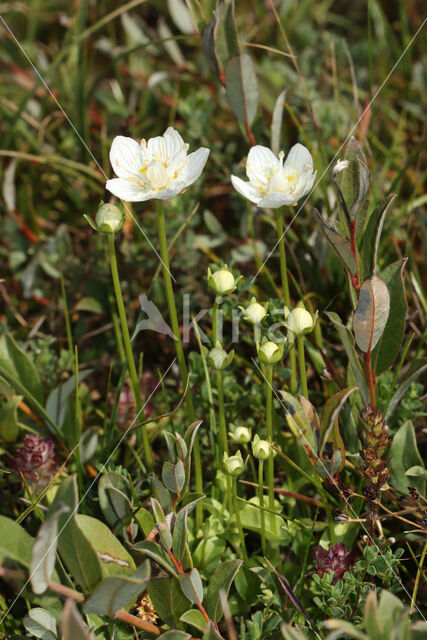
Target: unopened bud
[(109, 218), (222, 281), (234, 465), (218, 358), (270, 352), (261, 448), (241, 435), (255, 312), (300, 321)]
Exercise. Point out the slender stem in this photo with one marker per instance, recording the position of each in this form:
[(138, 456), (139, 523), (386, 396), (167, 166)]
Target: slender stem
[(417, 578), (66, 313), (261, 502), (222, 423), (124, 616), (215, 320), (370, 379), (302, 372), (161, 226), (285, 290), (269, 423), (238, 521), (128, 348), (355, 280)]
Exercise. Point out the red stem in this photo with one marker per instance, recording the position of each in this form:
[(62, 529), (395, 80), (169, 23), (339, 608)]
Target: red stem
[(250, 135), (370, 378)]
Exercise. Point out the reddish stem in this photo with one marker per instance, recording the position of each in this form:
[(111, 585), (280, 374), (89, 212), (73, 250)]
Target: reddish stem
[(370, 378), (250, 135)]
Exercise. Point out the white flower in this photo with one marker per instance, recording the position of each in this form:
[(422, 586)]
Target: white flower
[(272, 182), (158, 169), (222, 281), (340, 166)]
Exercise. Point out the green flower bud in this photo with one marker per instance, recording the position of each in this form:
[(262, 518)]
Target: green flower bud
[(255, 312), (234, 465), (218, 358), (109, 218), (270, 352), (241, 435), (300, 321), (222, 281), (261, 448)]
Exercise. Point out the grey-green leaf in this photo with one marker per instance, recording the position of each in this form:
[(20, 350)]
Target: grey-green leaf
[(349, 181), (156, 553), (404, 455), (389, 345), (41, 624), (371, 315), (72, 625), (15, 543), (221, 580), (195, 618), (242, 88), (276, 122), (191, 585), (9, 425), (339, 244), (415, 370), (115, 592), (16, 362), (173, 475), (44, 551)]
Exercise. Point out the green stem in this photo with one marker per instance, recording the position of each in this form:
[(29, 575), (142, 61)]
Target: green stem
[(285, 290), (221, 412), (161, 226), (128, 348), (238, 521), (302, 372), (215, 320), (261, 503), (269, 423), (66, 313)]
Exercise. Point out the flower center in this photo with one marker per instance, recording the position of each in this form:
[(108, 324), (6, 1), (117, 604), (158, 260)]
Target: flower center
[(285, 180), (157, 175)]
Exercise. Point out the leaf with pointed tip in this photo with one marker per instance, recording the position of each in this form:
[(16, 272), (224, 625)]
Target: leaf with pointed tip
[(156, 553), (303, 426), (72, 625), (9, 425), (18, 364), (221, 580), (195, 618), (109, 550), (363, 176), (404, 455), (371, 315), (114, 498), (116, 592), (173, 476), (276, 122), (348, 343), (330, 414), (389, 345), (168, 600), (41, 624), (372, 235), (339, 244), (180, 534), (191, 585), (290, 594), (242, 89), (211, 633), (174, 634), (44, 551)]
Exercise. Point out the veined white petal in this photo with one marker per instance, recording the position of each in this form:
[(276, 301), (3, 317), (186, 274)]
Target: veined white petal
[(127, 190), (126, 156), (300, 158), (174, 143), (171, 191), (194, 166), (275, 200), (246, 189), (261, 165), (305, 184), (158, 149)]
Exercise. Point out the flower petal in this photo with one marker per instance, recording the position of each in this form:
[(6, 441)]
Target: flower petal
[(261, 165), (305, 184), (174, 143), (275, 200), (171, 191), (126, 156), (127, 190), (194, 166), (158, 149), (246, 189), (300, 158)]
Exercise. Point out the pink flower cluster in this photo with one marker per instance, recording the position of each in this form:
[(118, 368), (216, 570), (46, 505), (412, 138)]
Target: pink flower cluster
[(336, 559), (36, 460)]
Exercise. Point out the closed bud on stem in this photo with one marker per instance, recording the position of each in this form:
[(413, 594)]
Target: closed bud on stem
[(270, 352), (218, 358), (261, 449), (109, 218), (222, 281), (241, 435), (300, 321), (234, 465), (255, 312)]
